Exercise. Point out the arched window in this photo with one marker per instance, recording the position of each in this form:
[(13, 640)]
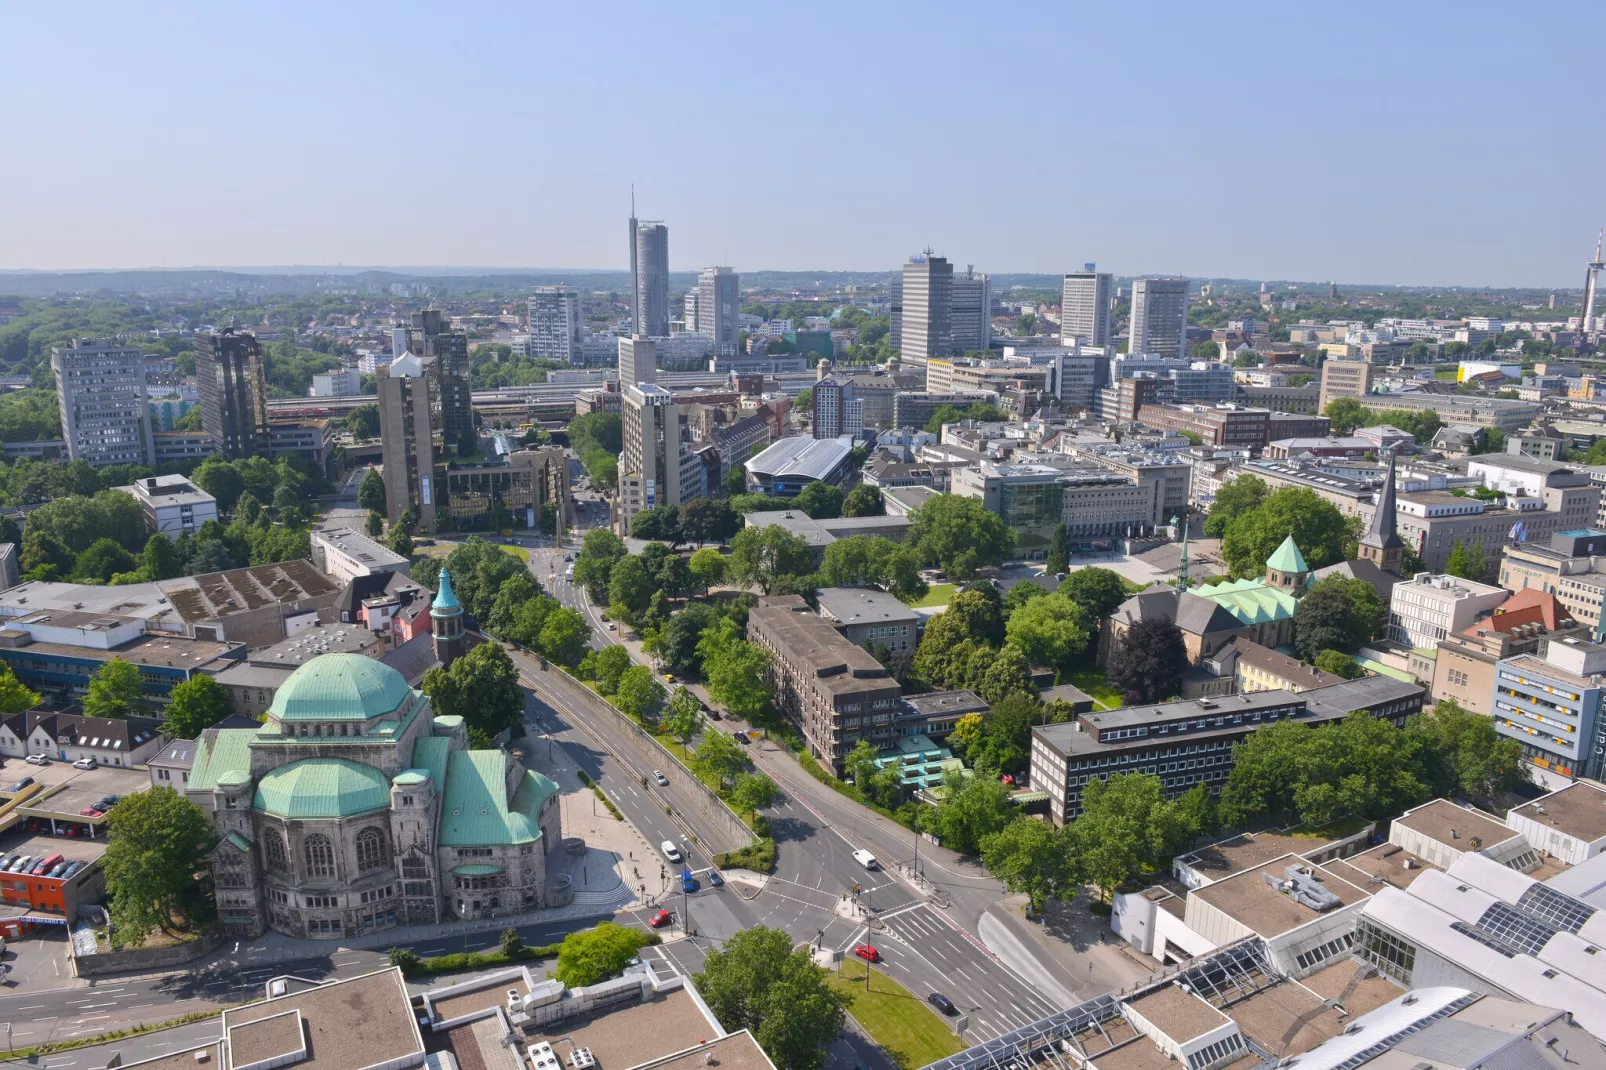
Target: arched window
[(273, 852), (371, 850), (320, 857)]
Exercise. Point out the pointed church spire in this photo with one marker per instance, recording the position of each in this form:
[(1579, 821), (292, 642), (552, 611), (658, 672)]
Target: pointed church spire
[(1382, 545)]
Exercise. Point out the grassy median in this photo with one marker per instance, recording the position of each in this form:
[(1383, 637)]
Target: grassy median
[(911, 1033)]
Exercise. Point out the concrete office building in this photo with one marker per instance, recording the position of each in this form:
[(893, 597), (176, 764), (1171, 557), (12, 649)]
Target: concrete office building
[(1427, 608), (833, 690), (232, 375), (649, 278), (1568, 565), (172, 504), (719, 305), (100, 389), (649, 466), (927, 293), (345, 383), (555, 324), (837, 411), (1218, 425), (430, 337), (970, 322), (1085, 308), (1079, 374), (1464, 668), (1159, 317), (528, 483), (343, 554), (1550, 702), (638, 361), (895, 312), (867, 617), (411, 449), (915, 408), (1344, 379)]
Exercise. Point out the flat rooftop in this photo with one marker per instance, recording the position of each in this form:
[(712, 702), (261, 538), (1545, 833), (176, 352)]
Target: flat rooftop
[(39, 845), (1341, 983), (1446, 822), (89, 786), (168, 650), (1220, 860), (1249, 900), (360, 547), (1179, 1015), (320, 638), (633, 1034), (1387, 863), (1139, 1054), (1287, 1019), (809, 640), (738, 1051), (862, 605), (1223, 706), (1578, 810), (479, 999), (218, 594), (364, 1021)]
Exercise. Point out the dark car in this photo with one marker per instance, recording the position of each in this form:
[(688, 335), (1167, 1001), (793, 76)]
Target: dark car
[(109, 801), (23, 783), (942, 1003), (740, 737), (715, 879)]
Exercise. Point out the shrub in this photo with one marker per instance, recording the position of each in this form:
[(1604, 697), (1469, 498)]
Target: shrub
[(758, 857)]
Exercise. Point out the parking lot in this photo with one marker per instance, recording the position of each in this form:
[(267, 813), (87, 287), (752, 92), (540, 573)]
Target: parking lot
[(67, 792)]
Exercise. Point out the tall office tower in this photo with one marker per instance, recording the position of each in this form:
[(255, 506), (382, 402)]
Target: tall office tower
[(649, 278), (690, 308), (895, 313), (409, 418), (1085, 307), (638, 361), (1586, 311), (927, 287), (718, 308), (650, 462), (1159, 317), (100, 388), (836, 411), (555, 324), (970, 321), (431, 337), (232, 377)]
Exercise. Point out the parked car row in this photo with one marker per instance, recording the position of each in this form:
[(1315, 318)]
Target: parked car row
[(45, 759), (51, 865)]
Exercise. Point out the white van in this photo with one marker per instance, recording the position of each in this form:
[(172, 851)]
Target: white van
[(670, 851), (866, 859)]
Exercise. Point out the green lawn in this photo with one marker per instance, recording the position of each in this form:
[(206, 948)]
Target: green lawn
[(939, 595), (908, 1030), (1093, 682)]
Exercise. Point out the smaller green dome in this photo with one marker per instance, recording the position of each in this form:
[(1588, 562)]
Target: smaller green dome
[(445, 603), (233, 778), (340, 687), (409, 778), (322, 788), (1287, 558)]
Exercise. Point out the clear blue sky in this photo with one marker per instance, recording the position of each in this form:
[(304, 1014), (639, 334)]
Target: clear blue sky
[(1412, 142)]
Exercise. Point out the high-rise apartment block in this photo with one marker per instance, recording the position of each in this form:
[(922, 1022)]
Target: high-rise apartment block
[(837, 411), (649, 278), (409, 423), (100, 387), (1344, 379), (927, 289), (895, 313), (555, 324), (430, 336), (650, 463), (718, 309), (1085, 308), (638, 361), (970, 321), (1159, 317), (1554, 705), (232, 376)]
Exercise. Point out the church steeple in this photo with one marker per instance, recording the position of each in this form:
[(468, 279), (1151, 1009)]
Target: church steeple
[(446, 622), (1382, 545)]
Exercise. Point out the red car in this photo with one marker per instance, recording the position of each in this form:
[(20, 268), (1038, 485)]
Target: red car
[(660, 919), (91, 811), (867, 953)]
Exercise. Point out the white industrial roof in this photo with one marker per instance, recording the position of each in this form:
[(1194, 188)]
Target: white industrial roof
[(798, 456)]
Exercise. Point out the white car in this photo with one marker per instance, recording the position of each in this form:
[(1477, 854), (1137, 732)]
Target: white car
[(37, 759), (670, 851), (663, 781), (85, 763)]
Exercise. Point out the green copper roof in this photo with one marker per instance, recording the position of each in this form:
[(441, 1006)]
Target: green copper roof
[(239, 842), (1251, 601), (429, 754), (474, 812), (220, 751), (339, 687), (476, 871), (448, 723), (409, 778), (322, 788), (446, 603), (1287, 558)]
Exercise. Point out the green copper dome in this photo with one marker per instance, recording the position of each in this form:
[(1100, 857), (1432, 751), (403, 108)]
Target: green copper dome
[(340, 687), (326, 788), (445, 603)]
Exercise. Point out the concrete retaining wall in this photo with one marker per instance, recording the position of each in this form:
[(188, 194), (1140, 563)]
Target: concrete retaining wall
[(728, 831), (146, 958)]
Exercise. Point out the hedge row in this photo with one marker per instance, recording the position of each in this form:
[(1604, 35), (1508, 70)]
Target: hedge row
[(612, 809), (414, 965)]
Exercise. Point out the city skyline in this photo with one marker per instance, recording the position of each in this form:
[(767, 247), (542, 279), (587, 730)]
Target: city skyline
[(1362, 170)]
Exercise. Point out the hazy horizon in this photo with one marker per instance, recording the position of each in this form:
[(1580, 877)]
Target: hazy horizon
[(1422, 145)]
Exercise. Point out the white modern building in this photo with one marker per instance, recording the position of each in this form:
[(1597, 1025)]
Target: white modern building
[(718, 303), (638, 361), (344, 383), (1551, 704), (555, 324), (344, 554), (1159, 317), (1428, 607), (1085, 308), (172, 504), (100, 388)]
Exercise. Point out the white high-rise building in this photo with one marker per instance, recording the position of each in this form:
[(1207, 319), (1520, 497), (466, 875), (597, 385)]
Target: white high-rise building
[(649, 277), (555, 324), (638, 361), (970, 321), (650, 462), (1159, 317), (927, 290), (100, 388), (718, 306), (1085, 308)]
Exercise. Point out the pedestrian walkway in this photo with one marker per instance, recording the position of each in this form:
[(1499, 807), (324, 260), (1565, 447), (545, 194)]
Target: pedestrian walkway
[(1075, 948)]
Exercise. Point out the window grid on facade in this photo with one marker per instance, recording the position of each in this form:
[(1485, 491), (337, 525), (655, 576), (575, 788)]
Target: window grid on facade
[(273, 852), (1307, 959), (1211, 1054), (1392, 956), (371, 849), (320, 857)]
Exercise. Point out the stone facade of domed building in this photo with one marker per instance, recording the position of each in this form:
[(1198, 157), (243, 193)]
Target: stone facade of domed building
[(353, 808)]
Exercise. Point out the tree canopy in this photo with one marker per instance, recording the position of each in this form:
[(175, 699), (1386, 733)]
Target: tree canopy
[(756, 981), (592, 955), (1149, 660), (482, 687), (1234, 498), (158, 845), (195, 705), (763, 556), (1318, 528), (959, 535), (1338, 614), (116, 691)]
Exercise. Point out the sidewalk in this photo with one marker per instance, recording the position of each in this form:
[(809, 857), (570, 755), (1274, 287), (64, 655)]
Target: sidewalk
[(1075, 946)]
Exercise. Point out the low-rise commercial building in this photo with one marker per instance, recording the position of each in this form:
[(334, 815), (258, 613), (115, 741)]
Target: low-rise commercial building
[(1567, 566), (1464, 668), (172, 505), (1321, 446), (834, 691), (344, 554), (1569, 824), (58, 652), (786, 467), (1216, 425), (1426, 608), (1259, 668), (819, 534)]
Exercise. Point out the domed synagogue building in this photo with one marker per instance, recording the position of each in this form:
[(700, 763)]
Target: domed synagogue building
[(354, 808)]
